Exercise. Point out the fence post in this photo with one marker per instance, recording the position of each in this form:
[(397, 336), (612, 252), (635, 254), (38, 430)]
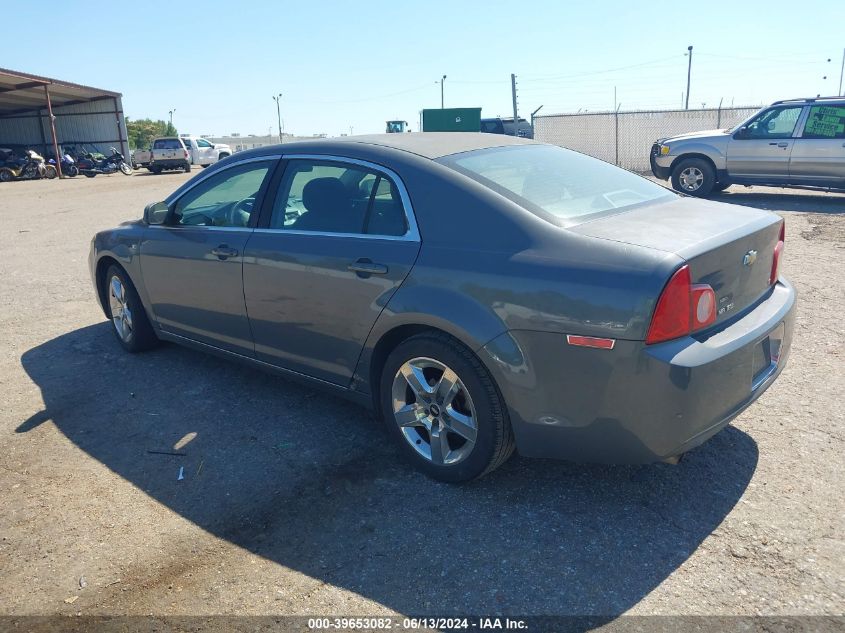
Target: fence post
[(719, 116), (616, 133)]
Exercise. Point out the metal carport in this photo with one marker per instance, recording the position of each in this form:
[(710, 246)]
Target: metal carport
[(43, 112)]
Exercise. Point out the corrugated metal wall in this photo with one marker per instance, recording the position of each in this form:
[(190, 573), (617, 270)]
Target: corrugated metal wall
[(98, 125)]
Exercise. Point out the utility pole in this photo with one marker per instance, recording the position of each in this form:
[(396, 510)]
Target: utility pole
[(442, 83), (170, 129), (513, 94), (279, 114), (689, 74)]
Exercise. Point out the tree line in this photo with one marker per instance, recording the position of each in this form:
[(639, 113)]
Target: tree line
[(142, 131)]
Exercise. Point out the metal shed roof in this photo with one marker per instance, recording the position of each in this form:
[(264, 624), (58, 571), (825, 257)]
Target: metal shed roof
[(21, 92)]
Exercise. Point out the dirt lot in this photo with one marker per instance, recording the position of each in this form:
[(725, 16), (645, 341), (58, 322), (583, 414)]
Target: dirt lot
[(294, 502)]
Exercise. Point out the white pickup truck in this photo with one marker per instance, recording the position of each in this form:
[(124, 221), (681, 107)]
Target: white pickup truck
[(201, 151), (204, 152)]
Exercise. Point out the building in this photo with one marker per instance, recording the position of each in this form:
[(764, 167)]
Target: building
[(239, 142), (50, 115)]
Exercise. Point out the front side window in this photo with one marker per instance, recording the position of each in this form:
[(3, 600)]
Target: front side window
[(226, 199), (203, 143), (775, 123), (559, 185), (331, 197), (825, 122)]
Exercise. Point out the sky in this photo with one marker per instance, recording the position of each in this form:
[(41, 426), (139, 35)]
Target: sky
[(347, 67)]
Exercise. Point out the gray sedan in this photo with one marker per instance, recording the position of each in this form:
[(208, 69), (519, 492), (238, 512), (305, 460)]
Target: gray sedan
[(481, 293)]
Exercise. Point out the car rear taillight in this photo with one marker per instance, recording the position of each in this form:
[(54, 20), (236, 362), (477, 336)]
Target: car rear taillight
[(186, 153), (683, 307), (776, 256)]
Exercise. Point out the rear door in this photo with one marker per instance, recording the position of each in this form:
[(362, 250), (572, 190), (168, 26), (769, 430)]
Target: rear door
[(192, 265), (818, 157), (328, 254), (761, 149)]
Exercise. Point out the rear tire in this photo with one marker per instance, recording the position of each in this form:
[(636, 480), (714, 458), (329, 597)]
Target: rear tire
[(472, 414), (187, 168), (155, 170), (89, 174), (6, 175), (694, 177), (126, 312)]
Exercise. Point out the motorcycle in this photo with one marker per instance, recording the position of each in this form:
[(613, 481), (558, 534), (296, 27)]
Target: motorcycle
[(30, 167), (90, 166), (69, 167)]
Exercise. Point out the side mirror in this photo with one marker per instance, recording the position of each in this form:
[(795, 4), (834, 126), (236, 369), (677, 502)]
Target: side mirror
[(156, 213), (742, 132)]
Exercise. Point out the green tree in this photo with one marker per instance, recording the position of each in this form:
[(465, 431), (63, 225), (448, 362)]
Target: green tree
[(143, 131)]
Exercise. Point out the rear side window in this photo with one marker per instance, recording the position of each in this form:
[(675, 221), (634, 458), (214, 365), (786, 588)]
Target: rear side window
[(559, 185), (825, 122), (329, 197)]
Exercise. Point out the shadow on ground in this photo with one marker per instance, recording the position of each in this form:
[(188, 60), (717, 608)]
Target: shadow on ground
[(772, 201), (311, 482)]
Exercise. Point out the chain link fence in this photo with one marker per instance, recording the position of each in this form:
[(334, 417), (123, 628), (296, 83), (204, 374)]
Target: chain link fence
[(625, 138)]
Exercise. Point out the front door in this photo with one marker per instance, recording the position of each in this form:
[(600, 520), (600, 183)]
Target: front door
[(336, 244), (818, 157), (761, 149), (192, 264)]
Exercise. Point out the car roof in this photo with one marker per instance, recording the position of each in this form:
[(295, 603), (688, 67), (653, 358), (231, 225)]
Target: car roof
[(805, 100), (430, 145)]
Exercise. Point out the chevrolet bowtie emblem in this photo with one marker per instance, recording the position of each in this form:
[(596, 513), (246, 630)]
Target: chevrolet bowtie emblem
[(749, 258)]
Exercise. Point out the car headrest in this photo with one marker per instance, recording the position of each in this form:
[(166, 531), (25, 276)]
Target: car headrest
[(326, 195)]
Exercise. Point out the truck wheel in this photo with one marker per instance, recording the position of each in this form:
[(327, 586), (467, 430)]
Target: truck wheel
[(187, 167), (155, 170), (694, 177)]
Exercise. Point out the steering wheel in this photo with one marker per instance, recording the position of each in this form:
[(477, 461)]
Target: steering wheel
[(240, 212)]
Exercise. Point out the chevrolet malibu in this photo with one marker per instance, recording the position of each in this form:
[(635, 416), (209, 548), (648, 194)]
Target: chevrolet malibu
[(482, 293)]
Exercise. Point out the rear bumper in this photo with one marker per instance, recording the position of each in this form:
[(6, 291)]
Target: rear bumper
[(169, 162), (638, 403)]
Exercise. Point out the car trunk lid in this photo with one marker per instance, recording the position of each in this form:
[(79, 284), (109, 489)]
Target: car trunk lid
[(727, 247)]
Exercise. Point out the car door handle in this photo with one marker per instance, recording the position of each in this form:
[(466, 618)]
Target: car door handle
[(780, 144), (367, 267), (223, 251)]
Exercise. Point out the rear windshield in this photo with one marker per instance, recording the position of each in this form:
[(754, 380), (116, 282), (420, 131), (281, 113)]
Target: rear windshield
[(559, 185), (168, 143)]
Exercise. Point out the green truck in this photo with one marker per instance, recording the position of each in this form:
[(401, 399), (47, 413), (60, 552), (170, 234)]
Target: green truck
[(451, 120)]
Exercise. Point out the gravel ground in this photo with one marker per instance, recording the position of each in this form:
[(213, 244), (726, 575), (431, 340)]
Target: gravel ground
[(294, 502)]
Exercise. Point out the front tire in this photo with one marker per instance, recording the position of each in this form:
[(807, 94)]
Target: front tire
[(442, 407), (126, 312), (125, 169), (694, 177), (187, 168)]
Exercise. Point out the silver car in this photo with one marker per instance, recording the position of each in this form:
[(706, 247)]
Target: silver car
[(482, 293), (797, 143)]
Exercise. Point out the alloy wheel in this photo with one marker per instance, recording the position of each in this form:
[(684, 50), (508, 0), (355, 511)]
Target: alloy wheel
[(121, 314), (434, 411), (691, 178)]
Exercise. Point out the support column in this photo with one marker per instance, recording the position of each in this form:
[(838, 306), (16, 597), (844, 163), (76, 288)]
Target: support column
[(53, 131)]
